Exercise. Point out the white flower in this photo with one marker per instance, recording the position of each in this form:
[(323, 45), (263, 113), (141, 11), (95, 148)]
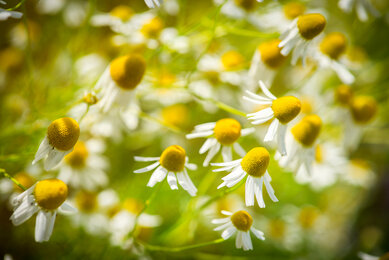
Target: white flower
[(62, 135), (222, 134), (117, 19), (239, 222), (362, 7), (365, 256), (153, 3), (254, 164), (5, 14), (283, 110), (45, 198), (172, 163)]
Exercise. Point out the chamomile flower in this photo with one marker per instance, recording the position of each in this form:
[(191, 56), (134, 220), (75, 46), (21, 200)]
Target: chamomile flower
[(116, 19), (172, 163), (254, 164), (5, 14), (84, 167), (300, 144), (331, 49), (282, 110), (45, 197), (153, 3), (222, 134), (362, 7), (62, 135), (240, 223), (300, 34)]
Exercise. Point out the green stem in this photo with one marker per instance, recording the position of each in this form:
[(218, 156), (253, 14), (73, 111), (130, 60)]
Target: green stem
[(12, 179), (16, 6), (181, 248)]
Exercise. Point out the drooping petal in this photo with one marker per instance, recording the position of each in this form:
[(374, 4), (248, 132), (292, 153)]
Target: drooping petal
[(44, 225)]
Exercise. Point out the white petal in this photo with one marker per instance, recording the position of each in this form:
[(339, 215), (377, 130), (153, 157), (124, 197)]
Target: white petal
[(220, 220), (146, 159), (228, 232), (205, 127), (43, 150), (256, 97), (281, 139), (192, 188), (258, 102), (261, 121), (266, 91), (259, 234), (233, 182), (24, 211), (158, 175), (232, 163), (270, 190), (247, 244), (224, 226), (264, 113), (249, 191), (207, 145), (148, 168), (236, 173), (271, 132), (212, 152), (191, 166), (227, 153), (199, 134), (54, 158), (227, 213), (247, 131), (258, 191), (171, 179), (239, 150), (344, 75), (239, 239), (66, 208), (44, 225)]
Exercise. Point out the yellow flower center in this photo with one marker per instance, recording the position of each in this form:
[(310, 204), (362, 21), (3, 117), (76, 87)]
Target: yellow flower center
[(256, 161), (86, 201), (307, 130), (247, 5), (311, 25), (153, 28), (50, 193), (318, 154), (343, 95), (308, 217), (127, 71), (78, 156), (242, 220), (232, 60), (333, 45), (25, 179), (286, 108), (306, 105), (133, 206), (176, 115), (227, 131), (271, 54), (363, 109), (90, 99), (293, 10), (122, 12), (173, 158), (63, 133), (277, 228), (166, 79)]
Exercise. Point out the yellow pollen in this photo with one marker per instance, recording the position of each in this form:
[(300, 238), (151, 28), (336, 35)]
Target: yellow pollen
[(86, 201), (318, 154), (63, 133), (176, 115), (25, 179), (308, 216), (334, 45), (343, 95), (363, 109), (307, 130), (227, 131), (271, 54), (293, 10), (153, 28), (242, 220), (173, 158), (256, 161), (232, 60), (286, 108), (277, 228), (166, 79), (78, 156), (127, 71), (90, 99), (133, 206), (311, 25), (50, 193), (122, 12), (306, 106), (247, 5)]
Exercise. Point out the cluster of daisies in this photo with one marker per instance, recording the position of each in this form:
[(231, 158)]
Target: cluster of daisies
[(114, 105)]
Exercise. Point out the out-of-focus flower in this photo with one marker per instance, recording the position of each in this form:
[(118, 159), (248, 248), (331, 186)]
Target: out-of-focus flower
[(254, 164), (153, 3), (222, 134), (45, 198), (62, 135), (359, 173), (365, 256), (5, 14), (362, 7), (116, 19), (241, 223), (172, 163), (282, 110)]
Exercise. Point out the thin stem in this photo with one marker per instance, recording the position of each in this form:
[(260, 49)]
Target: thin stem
[(161, 122), (180, 248), (12, 179), (16, 6), (85, 113)]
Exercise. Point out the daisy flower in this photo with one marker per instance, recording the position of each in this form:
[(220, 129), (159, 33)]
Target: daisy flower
[(222, 134), (331, 49), (300, 34), (5, 14), (254, 164), (240, 223), (84, 167), (62, 135), (300, 144), (45, 197), (116, 19), (362, 7), (153, 3), (282, 110), (172, 163)]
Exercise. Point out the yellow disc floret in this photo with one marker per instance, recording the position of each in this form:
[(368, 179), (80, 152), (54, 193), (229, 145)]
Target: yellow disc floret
[(25, 179), (122, 12), (63, 133), (232, 60), (334, 45), (311, 25), (78, 156), (256, 161), (271, 54), (247, 5), (173, 158), (308, 216), (133, 206), (242, 220), (50, 193), (277, 228), (293, 10), (363, 109), (127, 71), (286, 108), (86, 201), (343, 95), (227, 131), (153, 28), (307, 130)]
